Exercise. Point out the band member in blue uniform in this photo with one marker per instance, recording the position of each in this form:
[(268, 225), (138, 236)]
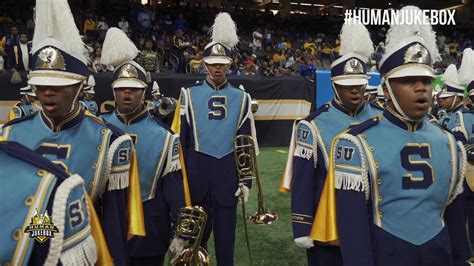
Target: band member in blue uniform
[(397, 176), (33, 187), (211, 115), (371, 94), (87, 97), (74, 139), (155, 98), (463, 130), (451, 96), (157, 150), (308, 158), (26, 104)]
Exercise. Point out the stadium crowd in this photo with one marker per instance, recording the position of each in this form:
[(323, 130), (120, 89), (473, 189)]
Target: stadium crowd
[(172, 39)]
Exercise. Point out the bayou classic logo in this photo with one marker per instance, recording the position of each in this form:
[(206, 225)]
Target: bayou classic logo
[(41, 227)]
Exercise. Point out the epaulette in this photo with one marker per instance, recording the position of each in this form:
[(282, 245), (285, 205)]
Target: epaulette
[(115, 130), (20, 119), (165, 126), (377, 106), (321, 109), (359, 128), (21, 152), (93, 117), (197, 83)]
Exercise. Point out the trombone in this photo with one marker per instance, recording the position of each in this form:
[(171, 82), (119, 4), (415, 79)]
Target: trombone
[(190, 228), (246, 161)]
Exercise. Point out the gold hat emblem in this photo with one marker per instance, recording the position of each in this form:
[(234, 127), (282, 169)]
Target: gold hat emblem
[(50, 58), (128, 71), (218, 50), (417, 53), (353, 66)]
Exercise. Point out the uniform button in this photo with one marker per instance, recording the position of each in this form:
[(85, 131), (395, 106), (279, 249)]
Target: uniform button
[(103, 131), (372, 149), (91, 184), (99, 148), (380, 213), (16, 234), (377, 165), (94, 166), (41, 172), (379, 181), (29, 200), (363, 136), (380, 198)]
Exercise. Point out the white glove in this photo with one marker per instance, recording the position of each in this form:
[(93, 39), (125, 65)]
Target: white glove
[(176, 246), (242, 192), (304, 242)]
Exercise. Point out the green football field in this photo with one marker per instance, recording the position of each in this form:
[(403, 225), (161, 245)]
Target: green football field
[(270, 244)]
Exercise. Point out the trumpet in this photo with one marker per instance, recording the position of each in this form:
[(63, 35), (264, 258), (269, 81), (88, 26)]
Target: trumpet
[(167, 105), (246, 160), (190, 228)]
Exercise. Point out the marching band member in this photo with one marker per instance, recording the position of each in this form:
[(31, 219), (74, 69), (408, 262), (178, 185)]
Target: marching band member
[(76, 140), (308, 157)]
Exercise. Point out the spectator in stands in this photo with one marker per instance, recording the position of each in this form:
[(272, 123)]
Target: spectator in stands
[(234, 70), (101, 29), (149, 58), (181, 23), (268, 42), (10, 40), (141, 43), (195, 65), (90, 26), (19, 56), (123, 24), (284, 44), (167, 24), (97, 66), (257, 40), (144, 21), (453, 48), (307, 69), (177, 52), (279, 58), (309, 44)]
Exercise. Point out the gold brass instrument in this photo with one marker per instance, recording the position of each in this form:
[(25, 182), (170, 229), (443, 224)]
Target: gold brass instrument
[(167, 105), (190, 228), (246, 160)]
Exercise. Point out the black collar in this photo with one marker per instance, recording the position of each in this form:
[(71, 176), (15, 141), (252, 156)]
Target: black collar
[(338, 106), (74, 118), (401, 123), (211, 84), (136, 118)]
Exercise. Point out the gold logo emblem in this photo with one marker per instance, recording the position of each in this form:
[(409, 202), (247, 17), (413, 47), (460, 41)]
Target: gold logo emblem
[(417, 53), (41, 227), (218, 50), (128, 71), (50, 58), (353, 66)]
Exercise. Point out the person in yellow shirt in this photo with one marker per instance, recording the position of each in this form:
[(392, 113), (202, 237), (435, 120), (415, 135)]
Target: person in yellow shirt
[(309, 44), (90, 26), (279, 58)]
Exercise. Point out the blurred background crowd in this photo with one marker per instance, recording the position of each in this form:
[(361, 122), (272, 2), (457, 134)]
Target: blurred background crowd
[(172, 38)]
